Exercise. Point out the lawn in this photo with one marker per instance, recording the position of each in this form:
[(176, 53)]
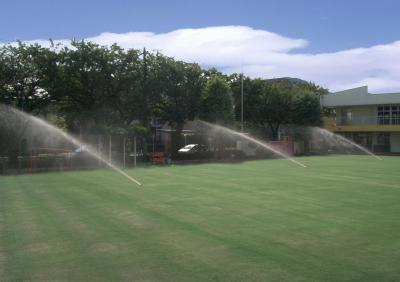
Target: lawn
[(338, 219)]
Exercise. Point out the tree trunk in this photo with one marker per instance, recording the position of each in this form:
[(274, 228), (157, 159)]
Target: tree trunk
[(274, 131)]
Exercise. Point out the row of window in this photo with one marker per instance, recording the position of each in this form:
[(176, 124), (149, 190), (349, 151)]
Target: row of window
[(388, 114)]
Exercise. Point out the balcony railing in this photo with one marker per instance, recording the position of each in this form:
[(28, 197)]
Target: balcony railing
[(379, 120)]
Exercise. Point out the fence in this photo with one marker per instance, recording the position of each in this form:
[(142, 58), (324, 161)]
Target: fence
[(286, 147), (32, 164)]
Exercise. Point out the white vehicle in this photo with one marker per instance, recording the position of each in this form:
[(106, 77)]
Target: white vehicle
[(191, 149), (80, 151)]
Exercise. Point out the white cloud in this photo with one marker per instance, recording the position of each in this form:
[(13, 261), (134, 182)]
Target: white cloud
[(260, 53)]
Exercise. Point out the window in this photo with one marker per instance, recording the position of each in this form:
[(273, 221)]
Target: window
[(395, 114), (382, 142), (346, 116), (383, 139), (388, 114), (364, 139)]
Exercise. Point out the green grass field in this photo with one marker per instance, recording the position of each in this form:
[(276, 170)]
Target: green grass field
[(338, 219)]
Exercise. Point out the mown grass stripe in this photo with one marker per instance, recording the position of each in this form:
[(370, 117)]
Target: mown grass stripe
[(260, 220)]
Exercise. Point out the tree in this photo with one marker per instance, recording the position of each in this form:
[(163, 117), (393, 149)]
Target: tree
[(217, 102), (283, 101), (306, 109), (273, 108), (25, 72), (181, 87), (90, 92), (126, 91), (97, 89), (252, 91)]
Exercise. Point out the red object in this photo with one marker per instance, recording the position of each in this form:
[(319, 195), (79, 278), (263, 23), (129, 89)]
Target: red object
[(157, 158), (285, 147)]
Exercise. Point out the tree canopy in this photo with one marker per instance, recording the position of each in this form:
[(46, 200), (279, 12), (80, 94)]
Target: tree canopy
[(93, 88), (217, 104)]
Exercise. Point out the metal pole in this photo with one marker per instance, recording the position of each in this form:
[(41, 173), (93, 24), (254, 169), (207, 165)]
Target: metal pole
[(134, 151), (19, 163), (98, 150), (154, 139), (241, 101), (109, 148), (124, 152), (152, 157)]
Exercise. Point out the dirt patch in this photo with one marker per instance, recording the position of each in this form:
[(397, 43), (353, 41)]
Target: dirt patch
[(107, 248), (131, 218), (38, 248), (81, 228), (50, 275), (68, 215), (29, 227)]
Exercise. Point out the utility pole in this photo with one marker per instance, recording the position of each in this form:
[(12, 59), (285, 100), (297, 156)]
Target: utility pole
[(124, 151), (241, 101), (134, 150), (109, 148)]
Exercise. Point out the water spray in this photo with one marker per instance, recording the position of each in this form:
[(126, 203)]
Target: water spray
[(345, 140), (74, 141), (253, 140)]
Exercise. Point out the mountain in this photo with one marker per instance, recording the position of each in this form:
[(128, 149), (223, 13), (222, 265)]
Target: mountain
[(289, 80)]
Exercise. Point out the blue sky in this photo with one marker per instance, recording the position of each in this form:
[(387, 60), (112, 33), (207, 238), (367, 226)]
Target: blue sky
[(325, 27), (329, 25)]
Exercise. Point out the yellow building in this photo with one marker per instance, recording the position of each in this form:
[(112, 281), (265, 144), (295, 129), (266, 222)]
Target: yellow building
[(372, 120)]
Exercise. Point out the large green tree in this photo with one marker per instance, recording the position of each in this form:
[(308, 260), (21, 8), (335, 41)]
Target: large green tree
[(217, 102), (306, 109), (93, 82), (273, 108), (26, 72), (252, 91), (180, 86), (282, 102), (105, 89)]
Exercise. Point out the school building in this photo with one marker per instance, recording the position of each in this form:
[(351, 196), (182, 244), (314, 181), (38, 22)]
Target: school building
[(371, 120)]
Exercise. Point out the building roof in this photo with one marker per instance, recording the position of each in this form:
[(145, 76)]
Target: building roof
[(358, 97)]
